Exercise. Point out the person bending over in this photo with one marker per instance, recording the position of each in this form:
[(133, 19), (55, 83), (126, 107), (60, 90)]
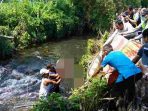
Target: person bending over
[(128, 72)]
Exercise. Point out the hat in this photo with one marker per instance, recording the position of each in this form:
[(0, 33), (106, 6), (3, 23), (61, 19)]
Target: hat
[(44, 71), (144, 12)]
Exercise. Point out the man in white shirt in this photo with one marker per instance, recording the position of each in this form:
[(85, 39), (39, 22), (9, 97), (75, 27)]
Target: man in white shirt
[(121, 29)]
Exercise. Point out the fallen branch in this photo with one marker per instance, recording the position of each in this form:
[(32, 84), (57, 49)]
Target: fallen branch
[(107, 99), (22, 106), (9, 37)]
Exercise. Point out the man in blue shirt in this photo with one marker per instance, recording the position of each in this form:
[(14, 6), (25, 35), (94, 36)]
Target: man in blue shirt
[(128, 72)]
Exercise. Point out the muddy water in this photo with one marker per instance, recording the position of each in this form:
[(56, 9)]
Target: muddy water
[(20, 78)]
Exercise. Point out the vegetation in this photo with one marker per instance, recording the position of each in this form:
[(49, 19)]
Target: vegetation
[(55, 102), (90, 94), (95, 15), (37, 21), (93, 47)]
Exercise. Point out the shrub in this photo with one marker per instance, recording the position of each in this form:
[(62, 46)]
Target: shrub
[(55, 102), (89, 95), (92, 48), (6, 48), (144, 3), (95, 15), (35, 22)]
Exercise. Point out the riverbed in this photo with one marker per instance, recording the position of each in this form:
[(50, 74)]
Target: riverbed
[(20, 79)]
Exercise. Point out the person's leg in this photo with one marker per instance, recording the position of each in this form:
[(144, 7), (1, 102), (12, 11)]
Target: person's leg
[(138, 76), (130, 88), (57, 90), (118, 91)]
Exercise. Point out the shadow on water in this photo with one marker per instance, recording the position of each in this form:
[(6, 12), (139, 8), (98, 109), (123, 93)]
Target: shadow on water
[(20, 79)]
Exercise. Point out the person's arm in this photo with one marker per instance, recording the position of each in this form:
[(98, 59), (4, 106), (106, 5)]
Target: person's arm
[(129, 28), (136, 59), (53, 75), (131, 20), (133, 31), (104, 62), (138, 27), (58, 77), (57, 82), (138, 37), (48, 81), (138, 56), (97, 71), (109, 40)]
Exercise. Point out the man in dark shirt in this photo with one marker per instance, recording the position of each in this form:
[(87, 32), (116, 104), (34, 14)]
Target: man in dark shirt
[(143, 52)]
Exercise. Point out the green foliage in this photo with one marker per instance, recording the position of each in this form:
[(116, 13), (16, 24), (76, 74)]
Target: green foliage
[(121, 5), (134, 3), (144, 3), (84, 61), (4, 30), (104, 15), (95, 14), (6, 48), (55, 102), (35, 22), (89, 95), (92, 48), (105, 36)]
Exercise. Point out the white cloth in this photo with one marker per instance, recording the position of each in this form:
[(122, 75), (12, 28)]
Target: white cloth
[(44, 90), (136, 16)]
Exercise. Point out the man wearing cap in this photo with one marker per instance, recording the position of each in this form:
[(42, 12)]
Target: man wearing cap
[(46, 83)]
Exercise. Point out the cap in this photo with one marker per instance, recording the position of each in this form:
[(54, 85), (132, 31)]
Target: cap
[(44, 71), (144, 12)]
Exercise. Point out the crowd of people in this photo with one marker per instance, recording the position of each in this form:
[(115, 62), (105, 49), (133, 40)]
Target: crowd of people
[(133, 25)]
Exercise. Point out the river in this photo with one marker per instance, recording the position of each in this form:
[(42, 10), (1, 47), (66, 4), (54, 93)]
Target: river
[(20, 78)]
